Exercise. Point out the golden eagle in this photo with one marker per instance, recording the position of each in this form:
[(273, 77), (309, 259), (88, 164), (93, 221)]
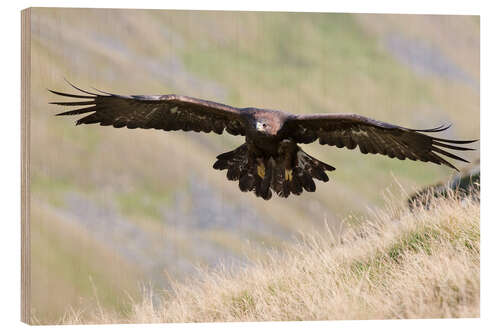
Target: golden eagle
[(270, 158)]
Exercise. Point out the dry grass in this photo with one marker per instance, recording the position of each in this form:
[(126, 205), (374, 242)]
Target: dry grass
[(397, 264)]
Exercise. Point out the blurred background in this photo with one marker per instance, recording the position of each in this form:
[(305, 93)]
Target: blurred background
[(114, 211)]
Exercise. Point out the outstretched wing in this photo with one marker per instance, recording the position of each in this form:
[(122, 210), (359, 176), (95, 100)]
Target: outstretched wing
[(375, 137), (166, 112)]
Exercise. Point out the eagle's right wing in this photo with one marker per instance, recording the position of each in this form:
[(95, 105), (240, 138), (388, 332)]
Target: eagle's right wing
[(373, 136), (166, 112)]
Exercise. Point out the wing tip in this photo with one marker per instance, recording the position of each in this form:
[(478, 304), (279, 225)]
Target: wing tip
[(440, 128), (89, 94), (79, 89), (103, 92)]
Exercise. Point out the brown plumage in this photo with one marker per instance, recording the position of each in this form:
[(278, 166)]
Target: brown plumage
[(270, 159)]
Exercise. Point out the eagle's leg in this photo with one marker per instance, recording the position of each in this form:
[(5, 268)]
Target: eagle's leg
[(261, 168), (296, 170), (259, 171), (263, 185), (288, 152), (289, 149), (283, 179), (249, 167)]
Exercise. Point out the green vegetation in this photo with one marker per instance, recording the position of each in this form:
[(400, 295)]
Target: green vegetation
[(322, 58), (144, 202)]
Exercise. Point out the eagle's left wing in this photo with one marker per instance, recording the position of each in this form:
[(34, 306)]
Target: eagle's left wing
[(166, 112), (372, 136)]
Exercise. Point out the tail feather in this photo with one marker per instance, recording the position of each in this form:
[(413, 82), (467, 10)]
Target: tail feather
[(233, 173), (276, 178), (221, 165), (319, 174), (305, 180), (296, 186), (247, 182)]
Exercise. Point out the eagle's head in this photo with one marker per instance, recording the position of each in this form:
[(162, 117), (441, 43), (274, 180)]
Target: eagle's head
[(267, 127), (268, 123)]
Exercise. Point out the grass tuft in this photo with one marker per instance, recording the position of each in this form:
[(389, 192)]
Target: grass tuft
[(422, 264)]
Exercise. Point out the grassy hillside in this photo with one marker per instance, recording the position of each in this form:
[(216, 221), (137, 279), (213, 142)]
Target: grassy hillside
[(396, 264), (114, 209)]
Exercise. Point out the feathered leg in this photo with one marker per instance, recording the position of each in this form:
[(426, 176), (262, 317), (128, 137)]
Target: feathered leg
[(296, 170)]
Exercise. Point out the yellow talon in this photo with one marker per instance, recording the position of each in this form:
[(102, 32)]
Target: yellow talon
[(288, 175), (261, 170)]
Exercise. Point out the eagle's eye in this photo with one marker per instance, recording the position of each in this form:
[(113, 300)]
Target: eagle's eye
[(261, 126)]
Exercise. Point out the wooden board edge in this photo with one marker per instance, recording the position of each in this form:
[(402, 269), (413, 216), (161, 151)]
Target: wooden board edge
[(25, 165)]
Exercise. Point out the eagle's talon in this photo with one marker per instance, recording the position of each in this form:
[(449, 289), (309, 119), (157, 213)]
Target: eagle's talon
[(288, 175), (261, 170)]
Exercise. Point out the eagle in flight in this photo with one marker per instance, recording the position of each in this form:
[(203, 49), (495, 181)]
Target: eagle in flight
[(270, 159)]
